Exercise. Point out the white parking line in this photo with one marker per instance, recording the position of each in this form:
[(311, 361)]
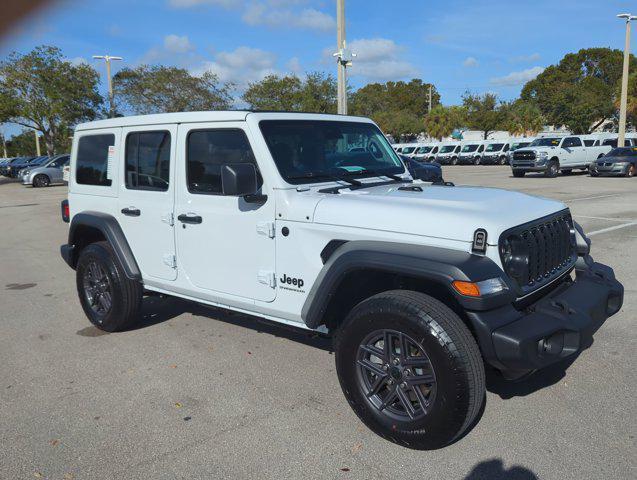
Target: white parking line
[(610, 229), (607, 218), (592, 198)]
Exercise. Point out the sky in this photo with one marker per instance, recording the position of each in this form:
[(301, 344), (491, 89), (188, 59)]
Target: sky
[(472, 45)]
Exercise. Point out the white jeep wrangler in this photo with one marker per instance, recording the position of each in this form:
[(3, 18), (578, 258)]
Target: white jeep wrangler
[(311, 220)]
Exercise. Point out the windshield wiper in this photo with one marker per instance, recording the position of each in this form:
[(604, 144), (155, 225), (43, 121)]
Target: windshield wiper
[(376, 173), (325, 175)]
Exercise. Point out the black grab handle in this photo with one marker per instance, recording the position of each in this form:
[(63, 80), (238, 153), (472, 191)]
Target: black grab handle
[(189, 218)]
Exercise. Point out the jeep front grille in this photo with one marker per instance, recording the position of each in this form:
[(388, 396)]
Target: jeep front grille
[(536, 253)]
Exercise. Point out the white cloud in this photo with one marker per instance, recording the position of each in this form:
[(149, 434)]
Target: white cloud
[(377, 59), (294, 66), (176, 44), (534, 57), (470, 62), (195, 3), (517, 78), (241, 66), (310, 18)]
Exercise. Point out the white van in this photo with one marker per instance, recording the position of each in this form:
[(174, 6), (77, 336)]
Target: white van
[(471, 152), (448, 153), (497, 152), (426, 152)]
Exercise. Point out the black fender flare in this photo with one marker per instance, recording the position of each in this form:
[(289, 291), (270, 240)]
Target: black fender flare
[(440, 265), (112, 231)]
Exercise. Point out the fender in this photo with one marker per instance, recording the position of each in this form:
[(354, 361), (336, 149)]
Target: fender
[(434, 264), (110, 228)]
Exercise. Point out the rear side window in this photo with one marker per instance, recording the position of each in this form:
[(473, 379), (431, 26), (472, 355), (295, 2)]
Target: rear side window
[(589, 143), (148, 161), (92, 160), (207, 151), (572, 142)]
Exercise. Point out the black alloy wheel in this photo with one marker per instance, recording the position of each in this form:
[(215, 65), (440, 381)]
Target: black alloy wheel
[(98, 288), (396, 375)]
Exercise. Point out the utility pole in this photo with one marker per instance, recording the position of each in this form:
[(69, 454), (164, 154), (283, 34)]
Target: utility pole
[(429, 109), (624, 96), (343, 57), (111, 99), (37, 142), (4, 144)]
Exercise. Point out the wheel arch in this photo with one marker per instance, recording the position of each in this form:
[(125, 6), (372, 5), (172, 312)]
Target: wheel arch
[(356, 270), (90, 227)]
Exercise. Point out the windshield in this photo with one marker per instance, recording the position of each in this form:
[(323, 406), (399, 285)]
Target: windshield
[(494, 147), (545, 142), (515, 146), (422, 150), (408, 150), (622, 152), (309, 151), (469, 148), (447, 148)]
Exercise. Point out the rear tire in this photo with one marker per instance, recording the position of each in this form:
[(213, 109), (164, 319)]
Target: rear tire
[(110, 300), (423, 400)]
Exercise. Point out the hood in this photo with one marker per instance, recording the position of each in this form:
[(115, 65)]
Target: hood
[(452, 213)]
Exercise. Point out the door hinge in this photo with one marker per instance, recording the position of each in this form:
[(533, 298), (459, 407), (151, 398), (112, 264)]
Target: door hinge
[(267, 277), (170, 260), (168, 218), (266, 228)]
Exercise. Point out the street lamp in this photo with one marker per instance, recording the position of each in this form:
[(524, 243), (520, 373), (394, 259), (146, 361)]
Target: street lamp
[(111, 101), (343, 56), (624, 96)]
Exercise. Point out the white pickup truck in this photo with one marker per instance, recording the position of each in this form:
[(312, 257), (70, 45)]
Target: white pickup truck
[(554, 154)]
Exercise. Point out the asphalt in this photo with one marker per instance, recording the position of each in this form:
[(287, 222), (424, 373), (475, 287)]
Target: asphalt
[(202, 393)]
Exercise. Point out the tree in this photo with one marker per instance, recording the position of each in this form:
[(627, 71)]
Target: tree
[(579, 91), (315, 93), (399, 124), (412, 96), (22, 144), (44, 92), (442, 121), (521, 118), (483, 112), (157, 89)]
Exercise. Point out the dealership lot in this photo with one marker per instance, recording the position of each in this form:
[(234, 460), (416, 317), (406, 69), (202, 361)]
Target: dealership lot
[(202, 393)]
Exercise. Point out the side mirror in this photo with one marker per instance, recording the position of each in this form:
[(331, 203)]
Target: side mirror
[(240, 180)]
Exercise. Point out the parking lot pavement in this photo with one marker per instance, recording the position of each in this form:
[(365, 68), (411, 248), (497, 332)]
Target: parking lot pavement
[(202, 393)]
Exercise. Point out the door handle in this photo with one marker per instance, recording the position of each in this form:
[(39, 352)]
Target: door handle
[(132, 212), (184, 218)]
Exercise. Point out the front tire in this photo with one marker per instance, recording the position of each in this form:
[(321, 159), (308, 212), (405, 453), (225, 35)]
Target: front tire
[(518, 173), (454, 161), (41, 180), (410, 369), (476, 161), (630, 172), (552, 169), (110, 300)]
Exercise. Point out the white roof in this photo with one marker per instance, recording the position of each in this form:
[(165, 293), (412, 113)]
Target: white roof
[(211, 116)]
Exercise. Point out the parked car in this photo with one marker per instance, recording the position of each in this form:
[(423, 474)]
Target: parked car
[(11, 169), (408, 149), (496, 152), (270, 214), (471, 152), (425, 171), (426, 152), (18, 167), (46, 174), (621, 161), (448, 153), (554, 154)]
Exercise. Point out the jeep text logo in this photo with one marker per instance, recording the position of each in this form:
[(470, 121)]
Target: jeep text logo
[(297, 282)]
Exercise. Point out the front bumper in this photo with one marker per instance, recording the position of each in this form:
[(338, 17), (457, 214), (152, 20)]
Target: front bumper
[(558, 325), (610, 170)]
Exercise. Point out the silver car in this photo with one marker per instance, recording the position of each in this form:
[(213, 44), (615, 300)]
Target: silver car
[(45, 175)]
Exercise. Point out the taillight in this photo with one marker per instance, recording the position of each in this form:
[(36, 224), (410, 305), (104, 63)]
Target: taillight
[(66, 213)]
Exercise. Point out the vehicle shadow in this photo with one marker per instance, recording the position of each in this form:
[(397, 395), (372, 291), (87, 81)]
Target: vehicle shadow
[(157, 309), (578, 173), (494, 470)]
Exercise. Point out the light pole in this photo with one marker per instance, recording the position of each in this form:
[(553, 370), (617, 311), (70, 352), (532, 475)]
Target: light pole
[(343, 58), (624, 96), (111, 100), (37, 143), (4, 143)]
